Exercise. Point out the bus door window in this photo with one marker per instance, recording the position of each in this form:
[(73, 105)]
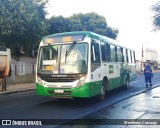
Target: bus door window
[(95, 55), (103, 51)]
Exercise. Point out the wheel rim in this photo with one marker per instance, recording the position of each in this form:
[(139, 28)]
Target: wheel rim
[(127, 83), (102, 91)]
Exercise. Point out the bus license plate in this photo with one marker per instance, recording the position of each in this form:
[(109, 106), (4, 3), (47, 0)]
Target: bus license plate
[(59, 91)]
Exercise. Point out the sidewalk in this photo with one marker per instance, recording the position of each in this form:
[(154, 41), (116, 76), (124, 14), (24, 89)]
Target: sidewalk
[(12, 88)]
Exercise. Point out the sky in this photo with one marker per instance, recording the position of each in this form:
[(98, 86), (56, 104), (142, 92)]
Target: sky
[(133, 18)]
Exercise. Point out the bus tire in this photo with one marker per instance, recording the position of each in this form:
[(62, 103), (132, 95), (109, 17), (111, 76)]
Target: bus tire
[(103, 90), (127, 82)]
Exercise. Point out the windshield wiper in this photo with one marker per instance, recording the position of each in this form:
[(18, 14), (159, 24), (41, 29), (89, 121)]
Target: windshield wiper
[(68, 51)]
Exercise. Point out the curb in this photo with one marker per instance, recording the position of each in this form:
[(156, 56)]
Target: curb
[(15, 91)]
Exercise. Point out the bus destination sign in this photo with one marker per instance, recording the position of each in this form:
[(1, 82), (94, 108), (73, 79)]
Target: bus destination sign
[(63, 39)]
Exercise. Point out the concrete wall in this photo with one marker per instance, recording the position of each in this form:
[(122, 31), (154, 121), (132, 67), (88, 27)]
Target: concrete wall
[(29, 78), (16, 78)]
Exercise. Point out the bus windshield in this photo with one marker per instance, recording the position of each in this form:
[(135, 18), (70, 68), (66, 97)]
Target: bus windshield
[(63, 59)]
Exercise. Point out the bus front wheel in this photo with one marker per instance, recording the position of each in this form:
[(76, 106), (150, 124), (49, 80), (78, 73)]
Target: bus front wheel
[(103, 90)]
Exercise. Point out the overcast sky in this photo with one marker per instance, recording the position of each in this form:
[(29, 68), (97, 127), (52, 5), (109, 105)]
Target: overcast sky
[(131, 17)]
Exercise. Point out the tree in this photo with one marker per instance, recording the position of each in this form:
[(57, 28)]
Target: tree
[(156, 17), (92, 22), (22, 24), (82, 22), (59, 24)]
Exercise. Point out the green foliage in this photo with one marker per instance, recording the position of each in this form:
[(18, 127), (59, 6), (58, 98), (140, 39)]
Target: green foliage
[(156, 17), (22, 24), (82, 22), (59, 24), (90, 22)]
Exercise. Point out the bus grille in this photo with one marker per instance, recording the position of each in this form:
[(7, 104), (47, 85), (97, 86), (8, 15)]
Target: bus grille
[(60, 79)]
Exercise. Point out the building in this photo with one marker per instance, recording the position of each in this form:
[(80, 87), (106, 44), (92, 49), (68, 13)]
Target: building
[(147, 55), (151, 56)]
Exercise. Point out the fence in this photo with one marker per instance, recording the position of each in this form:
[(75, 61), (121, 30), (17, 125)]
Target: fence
[(22, 72), (23, 69)]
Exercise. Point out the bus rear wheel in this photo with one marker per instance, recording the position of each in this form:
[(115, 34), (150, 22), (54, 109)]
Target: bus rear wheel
[(103, 90), (127, 83)]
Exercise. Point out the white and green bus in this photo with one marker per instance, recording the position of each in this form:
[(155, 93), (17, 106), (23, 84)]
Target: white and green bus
[(82, 64)]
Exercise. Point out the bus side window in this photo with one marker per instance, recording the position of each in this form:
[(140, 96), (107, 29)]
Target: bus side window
[(107, 49), (116, 54), (113, 53), (119, 54), (134, 58), (129, 56), (124, 55), (107, 46)]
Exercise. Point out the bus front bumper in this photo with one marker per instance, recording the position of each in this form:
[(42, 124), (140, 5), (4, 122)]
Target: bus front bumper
[(81, 91)]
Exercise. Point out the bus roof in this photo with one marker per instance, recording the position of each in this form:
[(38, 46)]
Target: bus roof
[(89, 34)]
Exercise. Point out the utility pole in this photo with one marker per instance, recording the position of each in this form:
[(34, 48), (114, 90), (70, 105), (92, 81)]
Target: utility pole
[(142, 55)]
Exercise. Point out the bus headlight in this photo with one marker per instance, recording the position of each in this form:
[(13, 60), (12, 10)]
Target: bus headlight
[(81, 81), (39, 80)]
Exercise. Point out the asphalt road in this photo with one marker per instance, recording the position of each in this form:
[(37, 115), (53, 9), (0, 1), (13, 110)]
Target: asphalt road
[(134, 112), (26, 105)]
